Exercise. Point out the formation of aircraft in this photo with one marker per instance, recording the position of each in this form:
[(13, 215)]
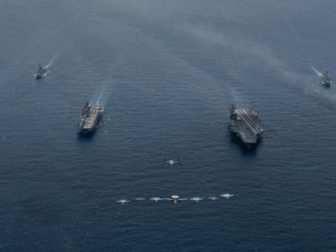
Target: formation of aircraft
[(176, 199)]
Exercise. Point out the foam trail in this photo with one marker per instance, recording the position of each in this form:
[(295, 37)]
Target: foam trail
[(290, 24), (51, 62), (316, 71), (100, 98), (294, 32), (238, 98)]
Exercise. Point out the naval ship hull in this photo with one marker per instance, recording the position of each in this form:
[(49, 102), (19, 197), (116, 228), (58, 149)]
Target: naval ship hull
[(325, 80), (326, 84), (42, 72), (237, 139), (88, 131), (90, 119), (38, 76), (245, 128)]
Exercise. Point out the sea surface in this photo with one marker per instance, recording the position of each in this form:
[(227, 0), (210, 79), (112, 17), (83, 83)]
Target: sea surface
[(167, 73)]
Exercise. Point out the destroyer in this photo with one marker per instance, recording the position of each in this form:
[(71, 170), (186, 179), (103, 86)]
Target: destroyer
[(246, 126), (89, 119), (41, 72), (325, 79)]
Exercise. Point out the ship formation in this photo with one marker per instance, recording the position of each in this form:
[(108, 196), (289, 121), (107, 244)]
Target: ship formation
[(245, 126), (90, 117)]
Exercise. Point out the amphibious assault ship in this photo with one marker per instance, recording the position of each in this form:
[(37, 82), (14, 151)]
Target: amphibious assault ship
[(325, 79), (246, 126), (41, 72), (89, 119)]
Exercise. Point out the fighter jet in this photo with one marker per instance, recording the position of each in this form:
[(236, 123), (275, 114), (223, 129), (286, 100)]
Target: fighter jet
[(213, 198), (123, 201), (176, 199), (172, 162), (196, 199), (226, 195), (325, 79), (140, 199), (41, 72), (156, 199)]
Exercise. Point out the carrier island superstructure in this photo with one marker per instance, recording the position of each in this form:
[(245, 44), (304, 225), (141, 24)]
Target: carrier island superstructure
[(246, 126)]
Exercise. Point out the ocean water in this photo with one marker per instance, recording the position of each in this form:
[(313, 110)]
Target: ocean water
[(167, 73)]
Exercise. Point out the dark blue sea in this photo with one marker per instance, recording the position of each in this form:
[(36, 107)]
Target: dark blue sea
[(167, 73)]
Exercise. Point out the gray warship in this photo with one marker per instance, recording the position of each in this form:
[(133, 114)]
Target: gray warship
[(245, 126), (325, 79), (41, 72), (90, 117)]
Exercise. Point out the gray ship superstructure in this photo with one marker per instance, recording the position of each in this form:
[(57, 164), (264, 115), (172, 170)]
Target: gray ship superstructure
[(246, 126), (90, 117)]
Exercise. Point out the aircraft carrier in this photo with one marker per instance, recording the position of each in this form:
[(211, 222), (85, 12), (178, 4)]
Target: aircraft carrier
[(246, 126), (89, 119)]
